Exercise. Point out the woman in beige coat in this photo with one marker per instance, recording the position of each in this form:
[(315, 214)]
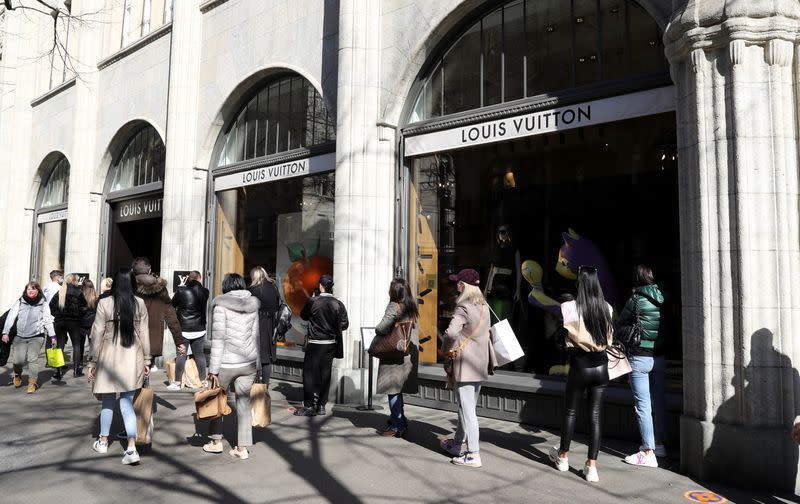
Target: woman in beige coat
[(467, 337), (120, 359)]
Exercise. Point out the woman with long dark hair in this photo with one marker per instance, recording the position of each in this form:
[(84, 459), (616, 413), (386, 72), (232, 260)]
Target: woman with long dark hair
[(398, 375), (587, 320), (234, 357), (120, 358), (87, 319), (263, 287)]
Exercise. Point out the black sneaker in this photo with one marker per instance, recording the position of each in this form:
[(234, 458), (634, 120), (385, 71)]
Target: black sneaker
[(320, 410), (305, 412)]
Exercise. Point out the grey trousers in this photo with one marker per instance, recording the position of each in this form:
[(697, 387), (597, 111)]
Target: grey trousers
[(242, 379), (467, 430), (26, 351)]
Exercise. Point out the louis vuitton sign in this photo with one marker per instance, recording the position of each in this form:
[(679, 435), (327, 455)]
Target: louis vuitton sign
[(138, 209)]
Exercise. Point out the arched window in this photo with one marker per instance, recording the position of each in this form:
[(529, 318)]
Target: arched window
[(532, 47), (287, 113), (56, 188), (141, 162)]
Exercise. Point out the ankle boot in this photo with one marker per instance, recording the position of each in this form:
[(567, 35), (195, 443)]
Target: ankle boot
[(17, 380), (32, 385)]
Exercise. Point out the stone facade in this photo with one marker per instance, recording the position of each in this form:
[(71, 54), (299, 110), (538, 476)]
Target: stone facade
[(736, 68)]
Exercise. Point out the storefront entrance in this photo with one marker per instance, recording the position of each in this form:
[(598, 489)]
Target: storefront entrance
[(135, 235)]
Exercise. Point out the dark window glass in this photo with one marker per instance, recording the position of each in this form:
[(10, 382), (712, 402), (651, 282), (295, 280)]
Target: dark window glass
[(297, 114), (646, 46), (587, 39), (141, 162), (614, 39), (262, 118), (433, 93), (56, 189), (284, 123), (251, 116), (462, 73), (549, 45), (493, 58), (514, 53), (275, 117)]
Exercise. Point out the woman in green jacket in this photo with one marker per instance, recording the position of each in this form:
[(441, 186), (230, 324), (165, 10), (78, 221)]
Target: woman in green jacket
[(648, 366)]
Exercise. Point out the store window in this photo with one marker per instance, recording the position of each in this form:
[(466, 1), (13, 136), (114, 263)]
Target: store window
[(287, 114), (532, 47), (277, 210), (526, 213), (51, 219), (141, 162)]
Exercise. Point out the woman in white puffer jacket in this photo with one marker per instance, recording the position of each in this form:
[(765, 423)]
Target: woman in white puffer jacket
[(234, 356)]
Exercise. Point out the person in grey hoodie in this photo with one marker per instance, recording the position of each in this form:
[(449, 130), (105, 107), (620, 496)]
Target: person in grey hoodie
[(33, 317), (234, 335)]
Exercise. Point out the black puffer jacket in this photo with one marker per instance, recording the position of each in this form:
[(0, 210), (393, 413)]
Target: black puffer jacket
[(74, 306), (190, 305), (327, 318)]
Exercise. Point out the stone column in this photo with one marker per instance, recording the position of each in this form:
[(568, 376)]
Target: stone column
[(183, 221), (364, 185), (735, 64)]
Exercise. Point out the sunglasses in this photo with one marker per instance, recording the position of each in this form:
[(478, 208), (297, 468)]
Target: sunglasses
[(587, 269)]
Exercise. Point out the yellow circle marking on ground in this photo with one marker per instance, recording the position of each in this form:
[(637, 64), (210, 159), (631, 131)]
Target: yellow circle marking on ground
[(705, 497)]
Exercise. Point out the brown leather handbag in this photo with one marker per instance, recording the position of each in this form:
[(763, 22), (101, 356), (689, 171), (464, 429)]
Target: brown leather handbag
[(212, 403), (394, 345)]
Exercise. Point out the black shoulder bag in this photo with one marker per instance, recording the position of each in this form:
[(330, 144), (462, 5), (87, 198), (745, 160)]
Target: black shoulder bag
[(630, 336)]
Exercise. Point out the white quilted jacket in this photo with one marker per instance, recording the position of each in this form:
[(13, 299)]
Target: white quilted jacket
[(234, 330)]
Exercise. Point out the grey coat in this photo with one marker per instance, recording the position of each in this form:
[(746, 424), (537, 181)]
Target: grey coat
[(476, 360), (400, 375)]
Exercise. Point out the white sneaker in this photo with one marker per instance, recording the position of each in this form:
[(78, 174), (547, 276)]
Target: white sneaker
[(153, 368), (642, 459), (174, 386), (660, 450), (590, 473), (100, 447), (561, 463), (130, 457)]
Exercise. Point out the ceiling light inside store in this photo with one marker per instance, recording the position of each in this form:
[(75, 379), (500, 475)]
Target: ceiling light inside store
[(550, 28), (579, 20)]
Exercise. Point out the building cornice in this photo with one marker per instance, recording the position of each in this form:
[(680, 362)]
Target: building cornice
[(142, 42), (210, 5), (53, 92)]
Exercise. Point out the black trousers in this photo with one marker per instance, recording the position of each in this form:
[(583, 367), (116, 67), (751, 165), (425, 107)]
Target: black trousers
[(266, 372), (317, 366), (584, 375), (76, 336)]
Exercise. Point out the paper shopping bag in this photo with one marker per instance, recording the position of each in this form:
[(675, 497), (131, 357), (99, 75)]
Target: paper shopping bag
[(169, 366), (143, 407), (55, 357), (191, 377), (260, 405), (618, 364), (506, 345)]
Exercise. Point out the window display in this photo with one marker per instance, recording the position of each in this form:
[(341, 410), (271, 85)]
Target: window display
[(51, 217), (527, 213)]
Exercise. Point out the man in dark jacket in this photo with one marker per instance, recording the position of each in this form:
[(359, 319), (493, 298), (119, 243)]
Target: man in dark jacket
[(153, 291), (190, 305), (327, 318)]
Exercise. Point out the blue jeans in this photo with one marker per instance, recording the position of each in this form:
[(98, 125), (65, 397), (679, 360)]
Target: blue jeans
[(648, 385), (398, 417), (125, 406)]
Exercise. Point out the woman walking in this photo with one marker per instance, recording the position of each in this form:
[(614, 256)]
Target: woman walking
[(120, 359), (468, 345), (67, 308), (398, 375), (234, 357), (264, 289), (34, 321), (648, 366), (87, 319), (587, 320)]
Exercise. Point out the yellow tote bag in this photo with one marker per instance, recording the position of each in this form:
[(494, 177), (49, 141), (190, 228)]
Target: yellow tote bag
[(55, 357)]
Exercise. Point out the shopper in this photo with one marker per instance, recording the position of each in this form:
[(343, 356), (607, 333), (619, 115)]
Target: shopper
[(105, 286), (648, 366), (589, 332), (119, 360), (32, 315), (263, 287), (190, 306), (234, 357), (467, 344), (398, 375), (54, 285), (87, 319), (153, 291), (67, 308), (327, 318)]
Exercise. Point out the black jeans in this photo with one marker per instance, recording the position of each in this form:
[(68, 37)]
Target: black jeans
[(197, 354), (266, 372), (317, 374), (76, 336), (586, 372)]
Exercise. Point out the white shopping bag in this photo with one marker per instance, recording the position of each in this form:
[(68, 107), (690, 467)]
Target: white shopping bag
[(506, 345)]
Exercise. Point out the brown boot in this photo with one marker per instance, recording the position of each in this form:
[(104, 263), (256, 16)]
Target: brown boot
[(32, 385), (17, 381)]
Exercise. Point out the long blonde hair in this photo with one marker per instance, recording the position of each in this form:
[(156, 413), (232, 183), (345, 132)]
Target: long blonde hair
[(62, 292), (471, 294), (258, 276)]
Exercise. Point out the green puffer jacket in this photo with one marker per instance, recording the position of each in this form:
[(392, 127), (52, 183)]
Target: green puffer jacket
[(652, 314)]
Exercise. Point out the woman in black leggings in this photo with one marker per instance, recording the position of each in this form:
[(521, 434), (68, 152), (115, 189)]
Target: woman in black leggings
[(587, 321)]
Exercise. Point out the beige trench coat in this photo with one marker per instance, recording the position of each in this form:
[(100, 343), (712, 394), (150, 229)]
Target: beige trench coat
[(118, 369), (476, 359)]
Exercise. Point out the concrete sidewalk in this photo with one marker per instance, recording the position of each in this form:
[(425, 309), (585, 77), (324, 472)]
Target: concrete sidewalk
[(46, 455)]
